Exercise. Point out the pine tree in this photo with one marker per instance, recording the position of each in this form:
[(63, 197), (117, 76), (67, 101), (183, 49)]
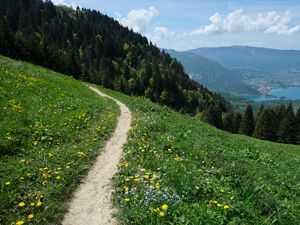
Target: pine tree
[(287, 129), (228, 122), (297, 122), (247, 123), (260, 110), (213, 116), (265, 127), (237, 122)]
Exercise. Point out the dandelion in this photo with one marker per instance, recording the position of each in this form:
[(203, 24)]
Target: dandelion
[(219, 204), (162, 214), (156, 210), (30, 216), (226, 206), (39, 203), (32, 204), (20, 222), (165, 207), (157, 186), (21, 204), (7, 183), (58, 178)]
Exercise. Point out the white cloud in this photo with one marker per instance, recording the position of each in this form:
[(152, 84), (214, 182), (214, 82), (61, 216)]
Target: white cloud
[(160, 34), (270, 22), (139, 19), (62, 2)]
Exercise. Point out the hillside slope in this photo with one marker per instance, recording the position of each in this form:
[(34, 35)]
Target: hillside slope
[(51, 129), (94, 47), (178, 170), (212, 74)]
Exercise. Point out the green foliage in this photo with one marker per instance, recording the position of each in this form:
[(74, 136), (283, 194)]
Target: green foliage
[(287, 129), (204, 175), (265, 127), (247, 122), (213, 116), (297, 124), (95, 48), (51, 129)]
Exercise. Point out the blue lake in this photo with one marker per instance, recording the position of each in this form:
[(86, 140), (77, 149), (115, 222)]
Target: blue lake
[(290, 93)]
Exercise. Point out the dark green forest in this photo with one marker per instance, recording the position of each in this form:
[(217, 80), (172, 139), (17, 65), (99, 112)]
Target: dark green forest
[(92, 47), (95, 48)]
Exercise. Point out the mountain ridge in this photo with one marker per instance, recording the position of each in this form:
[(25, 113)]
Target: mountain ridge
[(210, 73)]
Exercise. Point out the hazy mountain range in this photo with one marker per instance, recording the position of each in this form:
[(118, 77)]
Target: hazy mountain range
[(241, 69)]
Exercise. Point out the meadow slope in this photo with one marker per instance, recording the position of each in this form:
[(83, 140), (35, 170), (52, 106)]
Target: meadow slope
[(178, 170), (51, 130)]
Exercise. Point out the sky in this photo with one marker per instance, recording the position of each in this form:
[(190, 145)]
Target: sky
[(189, 24)]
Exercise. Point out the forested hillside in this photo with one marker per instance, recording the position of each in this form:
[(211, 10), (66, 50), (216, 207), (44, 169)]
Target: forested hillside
[(95, 48)]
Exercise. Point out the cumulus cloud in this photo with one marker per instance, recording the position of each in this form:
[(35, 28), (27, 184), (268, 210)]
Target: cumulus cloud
[(63, 2), (160, 33), (139, 19), (270, 22)]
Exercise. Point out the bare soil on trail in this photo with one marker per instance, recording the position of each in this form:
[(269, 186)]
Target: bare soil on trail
[(91, 203)]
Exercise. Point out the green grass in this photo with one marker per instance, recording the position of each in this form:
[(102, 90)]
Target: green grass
[(205, 176), (51, 130)]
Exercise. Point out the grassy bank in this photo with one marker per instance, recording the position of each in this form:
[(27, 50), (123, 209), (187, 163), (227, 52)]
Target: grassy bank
[(51, 129), (178, 170)]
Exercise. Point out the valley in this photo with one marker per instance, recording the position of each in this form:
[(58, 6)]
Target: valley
[(242, 70)]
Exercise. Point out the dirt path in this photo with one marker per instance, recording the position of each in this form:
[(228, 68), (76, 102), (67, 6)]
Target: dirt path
[(91, 203)]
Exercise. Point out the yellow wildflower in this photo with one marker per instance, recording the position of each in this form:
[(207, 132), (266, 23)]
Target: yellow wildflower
[(30, 216), (20, 222), (222, 190), (39, 203), (32, 204), (165, 207), (156, 210), (21, 204), (7, 183), (126, 199), (232, 198), (162, 214), (219, 205), (226, 206)]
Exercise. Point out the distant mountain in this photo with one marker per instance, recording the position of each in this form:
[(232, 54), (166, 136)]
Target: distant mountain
[(212, 74), (262, 59), (263, 69)]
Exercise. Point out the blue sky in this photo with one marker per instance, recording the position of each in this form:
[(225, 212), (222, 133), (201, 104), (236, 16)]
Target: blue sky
[(188, 24)]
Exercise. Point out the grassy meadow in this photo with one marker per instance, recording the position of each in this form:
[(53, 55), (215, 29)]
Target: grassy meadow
[(51, 130), (178, 170)]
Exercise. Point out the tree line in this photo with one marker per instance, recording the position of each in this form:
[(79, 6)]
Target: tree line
[(92, 47), (278, 123)]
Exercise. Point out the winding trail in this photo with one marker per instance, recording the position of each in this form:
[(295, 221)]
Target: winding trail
[(91, 203)]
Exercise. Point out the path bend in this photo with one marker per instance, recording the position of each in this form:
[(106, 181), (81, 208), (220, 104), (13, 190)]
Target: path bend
[(92, 203)]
